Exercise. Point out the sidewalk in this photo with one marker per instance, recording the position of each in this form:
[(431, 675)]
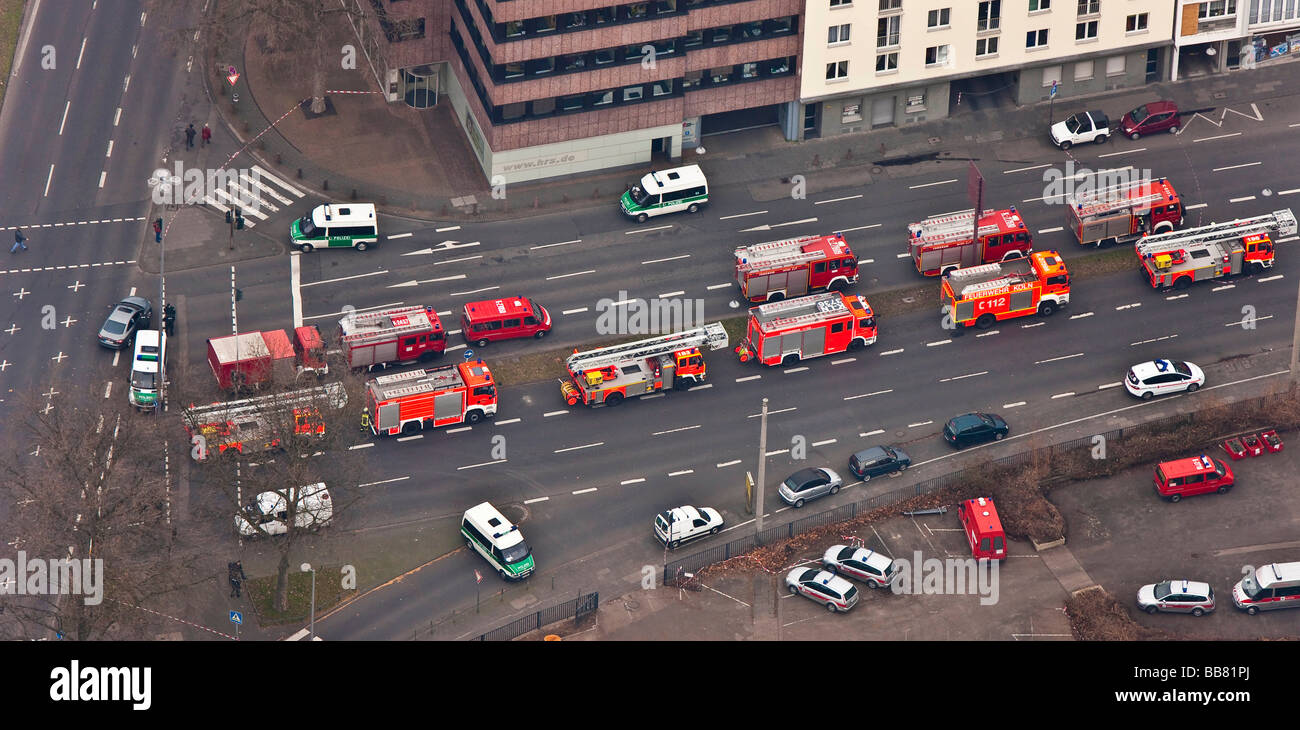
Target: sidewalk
[(363, 144)]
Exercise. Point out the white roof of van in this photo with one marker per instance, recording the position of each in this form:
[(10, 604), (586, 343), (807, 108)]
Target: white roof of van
[(1277, 573), (313, 496), (323, 215), (484, 514), (678, 177)]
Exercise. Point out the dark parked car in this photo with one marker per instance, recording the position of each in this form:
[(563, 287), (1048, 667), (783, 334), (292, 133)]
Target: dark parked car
[(1156, 116), (975, 428), (879, 460), (128, 315)]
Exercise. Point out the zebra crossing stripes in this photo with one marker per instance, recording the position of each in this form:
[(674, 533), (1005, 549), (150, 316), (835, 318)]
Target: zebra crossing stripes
[(253, 195)]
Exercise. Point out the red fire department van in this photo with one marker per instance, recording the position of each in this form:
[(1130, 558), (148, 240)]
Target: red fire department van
[(781, 269), (941, 244), (409, 402), (401, 335), (797, 329), (1123, 213), (1188, 477), (982, 295), (979, 519), (503, 319)]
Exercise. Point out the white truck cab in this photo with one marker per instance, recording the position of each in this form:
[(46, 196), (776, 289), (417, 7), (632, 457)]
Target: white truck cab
[(1091, 126)]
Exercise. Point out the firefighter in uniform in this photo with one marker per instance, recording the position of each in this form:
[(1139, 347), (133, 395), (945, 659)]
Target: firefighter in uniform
[(365, 420)]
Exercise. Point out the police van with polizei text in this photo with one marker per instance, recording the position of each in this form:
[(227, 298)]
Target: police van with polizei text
[(666, 191), (488, 533)]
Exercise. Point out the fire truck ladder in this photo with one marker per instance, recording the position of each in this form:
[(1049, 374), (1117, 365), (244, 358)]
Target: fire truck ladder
[(823, 304), (1115, 198), (712, 334), (1281, 221), (779, 253), (418, 381), (381, 323), (945, 229), (771, 262)]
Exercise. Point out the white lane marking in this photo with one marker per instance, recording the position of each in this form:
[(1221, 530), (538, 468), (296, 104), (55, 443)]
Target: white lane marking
[(1036, 324), (342, 278), (824, 443), (477, 465), (728, 463), (1052, 230), (891, 352), (681, 473), (473, 291), (917, 425), (930, 185), (860, 228), (1241, 200), (577, 448), (1288, 192), (837, 200), (1024, 169), (1196, 206), (584, 491), (554, 413), (670, 258), (1063, 395), (1147, 342), (1125, 152), (535, 500), (868, 395), (935, 344), (1225, 286), (626, 482), (751, 377), (865, 261), (772, 413), (649, 397), (988, 334), (671, 294), (361, 446), (448, 228), (1063, 357), (411, 438), (457, 261), (777, 452), (1270, 278), (384, 481), (574, 311), (295, 286), (108, 388), (1221, 136), (503, 423), (676, 430), (549, 245), (1081, 316), (843, 360), (794, 370), (576, 273), (1115, 384), (961, 377), (645, 230), (717, 286), (902, 255), (768, 227), (1176, 296), (1134, 305), (706, 386), (400, 235), (1017, 404), (871, 433), (1236, 167), (1256, 319), (455, 347), (458, 430), (268, 176), (741, 215)]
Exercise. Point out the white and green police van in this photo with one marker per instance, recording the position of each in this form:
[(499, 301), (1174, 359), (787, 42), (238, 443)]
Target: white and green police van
[(146, 369), (490, 534), (352, 225), (666, 191)]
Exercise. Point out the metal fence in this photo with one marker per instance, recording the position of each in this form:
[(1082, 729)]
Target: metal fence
[(692, 563), (575, 608)]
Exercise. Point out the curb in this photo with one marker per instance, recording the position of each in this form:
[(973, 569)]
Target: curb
[(1041, 546)]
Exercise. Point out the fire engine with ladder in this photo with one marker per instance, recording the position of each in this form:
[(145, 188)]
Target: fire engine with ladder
[(608, 375), (797, 329), (401, 335), (409, 402), (982, 295), (1177, 259), (943, 243), (1122, 213), (258, 424), (793, 267)]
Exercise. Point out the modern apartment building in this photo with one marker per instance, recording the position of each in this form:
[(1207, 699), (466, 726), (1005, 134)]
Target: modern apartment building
[(871, 63), (1228, 35), (545, 88)]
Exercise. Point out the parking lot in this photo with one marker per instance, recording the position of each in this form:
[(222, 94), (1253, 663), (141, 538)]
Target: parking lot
[(1125, 537)]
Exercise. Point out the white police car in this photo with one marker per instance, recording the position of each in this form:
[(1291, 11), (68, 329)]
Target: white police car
[(1159, 377), (869, 566), (1177, 596), (824, 587)]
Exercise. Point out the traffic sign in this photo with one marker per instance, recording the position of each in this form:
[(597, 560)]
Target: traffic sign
[(469, 355), (232, 75), (236, 618), (478, 577), (1053, 96)]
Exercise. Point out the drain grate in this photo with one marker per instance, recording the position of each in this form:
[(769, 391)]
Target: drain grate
[(1220, 95), (936, 140)]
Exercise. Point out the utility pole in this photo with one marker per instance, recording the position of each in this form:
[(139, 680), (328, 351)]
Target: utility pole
[(306, 568), (1295, 345), (762, 475)]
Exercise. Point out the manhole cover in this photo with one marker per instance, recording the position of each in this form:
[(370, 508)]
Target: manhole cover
[(1220, 95), (909, 300), (631, 604), (936, 140)]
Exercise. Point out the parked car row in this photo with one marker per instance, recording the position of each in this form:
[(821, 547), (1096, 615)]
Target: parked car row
[(1266, 588), (1094, 126)]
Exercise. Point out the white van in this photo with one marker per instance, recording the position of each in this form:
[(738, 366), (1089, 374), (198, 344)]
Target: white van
[(1268, 587), (269, 511), (666, 191), (146, 370), (352, 225), (488, 533)]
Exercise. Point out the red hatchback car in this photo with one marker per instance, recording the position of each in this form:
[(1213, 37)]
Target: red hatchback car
[(1156, 116)]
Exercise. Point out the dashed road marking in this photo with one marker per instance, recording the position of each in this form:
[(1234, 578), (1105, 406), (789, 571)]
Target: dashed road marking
[(584, 491), (773, 413), (626, 482), (843, 360), (384, 481), (777, 452), (795, 370), (578, 448), (712, 287), (936, 344), (1147, 342), (361, 446), (868, 395), (676, 430), (825, 443), (565, 276), (728, 463), (1270, 278), (534, 500), (681, 473), (1106, 386), (475, 466), (1063, 357), (988, 334), (1063, 395), (891, 352), (1049, 230), (503, 423), (554, 413), (871, 433), (1081, 316), (549, 245), (458, 430), (645, 230), (962, 377), (670, 258), (411, 438), (749, 377), (1239, 323), (1134, 305), (917, 425), (574, 311), (1036, 324), (1241, 200), (1224, 287), (1017, 404)]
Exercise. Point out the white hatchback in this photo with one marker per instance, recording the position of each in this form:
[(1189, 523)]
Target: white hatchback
[(1160, 377)]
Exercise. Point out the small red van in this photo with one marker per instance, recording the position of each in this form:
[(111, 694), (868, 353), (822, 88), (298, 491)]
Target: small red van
[(503, 319), (979, 518), (1188, 477)]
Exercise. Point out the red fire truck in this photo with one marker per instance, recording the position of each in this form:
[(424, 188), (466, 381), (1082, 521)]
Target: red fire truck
[(797, 329), (408, 402), (1177, 259), (941, 244), (992, 292), (793, 267), (608, 375), (254, 358), (1125, 212), (390, 336), (260, 424)]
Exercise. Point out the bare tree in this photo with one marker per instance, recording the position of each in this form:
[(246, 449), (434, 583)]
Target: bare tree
[(87, 484)]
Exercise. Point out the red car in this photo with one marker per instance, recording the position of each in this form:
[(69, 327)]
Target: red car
[(1192, 476), (1156, 116)]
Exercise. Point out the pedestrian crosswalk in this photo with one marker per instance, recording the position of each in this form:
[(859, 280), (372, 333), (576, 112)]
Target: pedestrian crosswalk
[(252, 195)]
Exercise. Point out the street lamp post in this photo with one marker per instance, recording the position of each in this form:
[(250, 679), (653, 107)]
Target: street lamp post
[(306, 568), (762, 475)]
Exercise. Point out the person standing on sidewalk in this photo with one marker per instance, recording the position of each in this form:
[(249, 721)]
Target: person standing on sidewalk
[(19, 241), (189, 136), (157, 230), (207, 135)]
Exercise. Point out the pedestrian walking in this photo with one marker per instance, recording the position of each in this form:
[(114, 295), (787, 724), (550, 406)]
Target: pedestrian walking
[(207, 135), (236, 573), (19, 241), (157, 230), (189, 136), (169, 319)]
